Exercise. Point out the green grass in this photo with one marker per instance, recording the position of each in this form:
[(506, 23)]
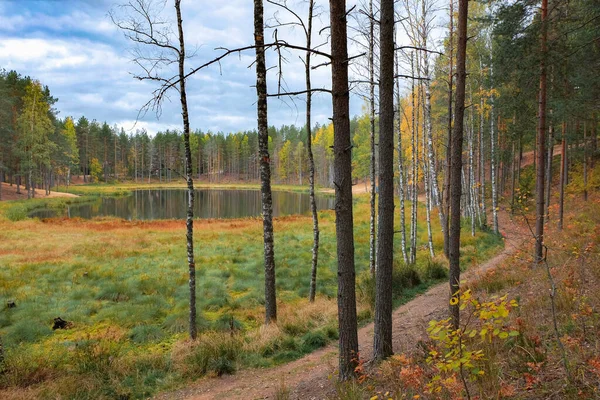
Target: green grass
[(124, 285)]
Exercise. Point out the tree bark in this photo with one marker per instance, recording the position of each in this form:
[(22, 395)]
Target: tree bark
[(401, 183), (348, 342), (456, 166), (265, 165), (585, 163), (189, 220), (311, 160), (435, 199), (494, 171), (550, 152), (415, 172), (482, 155), (382, 342), (563, 173), (449, 141), (541, 143), (372, 250)]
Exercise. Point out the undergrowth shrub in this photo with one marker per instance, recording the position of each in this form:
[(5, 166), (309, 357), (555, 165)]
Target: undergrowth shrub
[(212, 352), (313, 340), (17, 212), (433, 270), (27, 332), (404, 276)]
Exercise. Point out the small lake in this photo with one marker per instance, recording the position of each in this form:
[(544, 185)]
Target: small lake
[(172, 204)]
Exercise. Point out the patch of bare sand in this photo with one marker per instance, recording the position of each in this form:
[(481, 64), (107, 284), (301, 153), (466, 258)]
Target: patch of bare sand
[(10, 193)]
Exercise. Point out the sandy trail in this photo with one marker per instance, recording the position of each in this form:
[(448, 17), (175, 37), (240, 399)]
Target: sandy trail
[(10, 193)]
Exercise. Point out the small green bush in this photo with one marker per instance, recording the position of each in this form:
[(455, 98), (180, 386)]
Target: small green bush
[(294, 329), (227, 323), (331, 332), (27, 332), (18, 212), (212, 352), (313, 340), (404, 276), (433, 271)]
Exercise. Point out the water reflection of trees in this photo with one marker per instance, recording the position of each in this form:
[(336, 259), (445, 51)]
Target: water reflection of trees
[(171, 204)]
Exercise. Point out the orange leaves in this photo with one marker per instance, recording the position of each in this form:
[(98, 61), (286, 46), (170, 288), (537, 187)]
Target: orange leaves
[(530, 380), (594, 364)]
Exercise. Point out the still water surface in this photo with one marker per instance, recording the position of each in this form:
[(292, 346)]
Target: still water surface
[(172, 204)]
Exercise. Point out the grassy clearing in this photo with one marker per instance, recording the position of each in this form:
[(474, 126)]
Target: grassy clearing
[(528, 363), (123, 285)]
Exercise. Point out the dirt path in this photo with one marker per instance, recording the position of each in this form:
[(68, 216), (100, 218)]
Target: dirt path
[(309, 377)]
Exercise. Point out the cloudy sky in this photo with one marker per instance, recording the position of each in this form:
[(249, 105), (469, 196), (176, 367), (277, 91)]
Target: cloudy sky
[(73, 47)]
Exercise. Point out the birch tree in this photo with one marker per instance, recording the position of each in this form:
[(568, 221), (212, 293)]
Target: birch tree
[(265, 164), (155, 49)]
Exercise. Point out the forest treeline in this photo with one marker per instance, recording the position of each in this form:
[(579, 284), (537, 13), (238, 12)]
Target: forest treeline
[(38, 144)]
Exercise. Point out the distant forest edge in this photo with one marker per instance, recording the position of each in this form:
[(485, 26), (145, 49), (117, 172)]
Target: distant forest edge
[(40, 148)]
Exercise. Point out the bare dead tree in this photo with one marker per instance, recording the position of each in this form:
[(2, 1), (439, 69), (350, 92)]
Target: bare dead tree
[(307, 30), (155, 50), (311, 160)]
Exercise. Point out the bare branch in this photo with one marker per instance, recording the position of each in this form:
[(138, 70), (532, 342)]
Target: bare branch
[(279, 94)]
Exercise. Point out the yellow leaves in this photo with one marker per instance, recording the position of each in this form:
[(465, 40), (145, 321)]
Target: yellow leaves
[(456, 350)]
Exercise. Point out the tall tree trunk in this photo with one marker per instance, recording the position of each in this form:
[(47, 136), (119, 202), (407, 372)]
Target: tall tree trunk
[(382, 344), (449, 141), (585, 163), (189, 220), (471, 138), (494, 171), (372, 250), (513, 175), (482, 155), (594, 144), (563, 173), (415, 172), (348, 343), (550, 152), (425, 167), (436, 199), (265, 165), (311, 160), (456, 149), (541, 143), (401, 184)]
